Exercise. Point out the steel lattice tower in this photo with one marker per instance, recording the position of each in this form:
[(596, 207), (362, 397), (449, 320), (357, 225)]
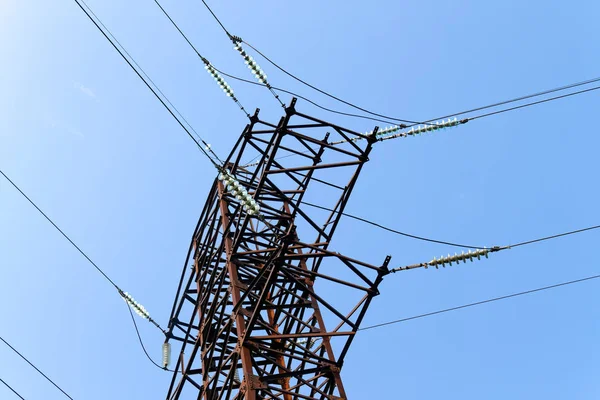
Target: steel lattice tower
[(264, 309)]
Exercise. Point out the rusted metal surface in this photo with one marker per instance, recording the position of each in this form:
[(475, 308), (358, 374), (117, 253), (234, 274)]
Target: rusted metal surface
[(265, 310)]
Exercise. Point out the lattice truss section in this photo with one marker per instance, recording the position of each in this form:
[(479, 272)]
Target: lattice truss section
[(264, 309)]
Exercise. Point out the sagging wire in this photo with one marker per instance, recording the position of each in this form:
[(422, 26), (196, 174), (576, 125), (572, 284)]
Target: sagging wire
[(326, 93), (206, 149), (428, 122), (256, 70), (385, 228), (34, 367), (484, 252), (211, 70), (139, 336), (416, 130), (477, 303), (278, 89), (139, 309)]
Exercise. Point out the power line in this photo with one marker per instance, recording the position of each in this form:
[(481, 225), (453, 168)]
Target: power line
[(178, 29), (36, 368), (249, 61), (483, 251), (237, 39), (463, 121), (13, 390), (218, 20), (435, 126), (534, 103), (451, 243), (137, 331), (393, 230), (558, 89), (479, 302), (195, 49), (131, 64), (74, 244), (278, 89), (554, 236), (61, 231), (326, 93), (189, 42), (204, 60), (561, 88), (428, 122)]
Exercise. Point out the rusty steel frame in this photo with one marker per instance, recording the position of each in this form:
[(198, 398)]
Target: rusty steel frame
[(250, 315)]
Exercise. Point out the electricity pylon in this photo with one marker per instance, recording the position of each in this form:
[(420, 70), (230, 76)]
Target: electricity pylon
[(264, 308)]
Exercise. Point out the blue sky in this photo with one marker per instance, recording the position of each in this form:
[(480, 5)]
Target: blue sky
[(82, 135)]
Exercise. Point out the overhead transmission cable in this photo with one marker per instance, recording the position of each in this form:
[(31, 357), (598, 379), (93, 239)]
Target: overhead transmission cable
[(34, 367), (491, 249), (137, 331), (477, 303), (262, 84), (326, 93), (535, 103), (529, 96), (278, 89), (558, 89), (427, 122), (256, 70), (137, 307), (392, 230), (11, 389), (455, 122), (395, 132), (194, 48), (206, 149), (207, 65), (484, 252), (400, 131)]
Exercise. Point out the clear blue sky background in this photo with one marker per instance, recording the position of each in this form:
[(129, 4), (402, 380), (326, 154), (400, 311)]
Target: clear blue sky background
[(86, 140)]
